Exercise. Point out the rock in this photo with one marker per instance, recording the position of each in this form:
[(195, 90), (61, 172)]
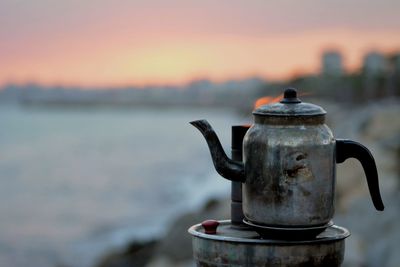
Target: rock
[(383, 123), (354, 256), (374, 234), (163, 261), (177, 244), (136, 254), (175, 248)]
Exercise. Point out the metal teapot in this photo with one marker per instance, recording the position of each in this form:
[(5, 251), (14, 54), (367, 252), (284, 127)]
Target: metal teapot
[(289, 165)]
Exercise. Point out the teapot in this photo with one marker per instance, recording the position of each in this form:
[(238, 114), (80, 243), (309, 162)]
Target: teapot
[(289, 165)]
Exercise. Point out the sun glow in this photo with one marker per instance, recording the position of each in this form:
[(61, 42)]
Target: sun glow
[(267, 100), (177, 60)]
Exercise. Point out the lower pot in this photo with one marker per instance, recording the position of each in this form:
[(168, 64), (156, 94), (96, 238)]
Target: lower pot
[(236, 247)]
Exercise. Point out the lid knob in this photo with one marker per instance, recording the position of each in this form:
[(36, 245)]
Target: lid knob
[(210, 226), (290, 97)]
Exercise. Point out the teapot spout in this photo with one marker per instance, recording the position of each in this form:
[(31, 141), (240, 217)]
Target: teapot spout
[(226, 167)]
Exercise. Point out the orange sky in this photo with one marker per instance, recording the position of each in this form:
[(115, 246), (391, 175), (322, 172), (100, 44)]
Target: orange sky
[(101, 43)]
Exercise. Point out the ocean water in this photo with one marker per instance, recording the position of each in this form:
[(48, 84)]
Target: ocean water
[(75, 183)]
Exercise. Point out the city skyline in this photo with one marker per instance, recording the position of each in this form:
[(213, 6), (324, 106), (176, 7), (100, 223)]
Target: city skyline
[(100, 43)]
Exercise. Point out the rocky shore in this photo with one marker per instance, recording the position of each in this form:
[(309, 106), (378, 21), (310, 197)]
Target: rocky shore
[(375, 235), (175, 248)]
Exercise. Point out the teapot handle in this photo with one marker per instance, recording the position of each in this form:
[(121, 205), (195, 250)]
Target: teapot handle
[(350, 149)]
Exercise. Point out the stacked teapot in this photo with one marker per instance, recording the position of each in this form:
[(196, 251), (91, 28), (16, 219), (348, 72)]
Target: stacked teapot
[(288, 170)]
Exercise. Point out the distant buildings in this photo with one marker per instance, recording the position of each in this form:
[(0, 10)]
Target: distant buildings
[(332, 64), (396, 62), (378, 77), (381, 74), (204, 93), (374, 64)]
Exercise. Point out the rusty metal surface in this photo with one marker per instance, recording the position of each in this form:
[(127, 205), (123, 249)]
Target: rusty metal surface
[(230, 247), (290, 175)]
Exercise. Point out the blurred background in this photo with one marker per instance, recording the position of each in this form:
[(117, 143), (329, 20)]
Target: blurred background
[(98, 164)]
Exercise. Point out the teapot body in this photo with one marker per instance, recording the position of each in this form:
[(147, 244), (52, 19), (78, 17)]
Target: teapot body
[(290, 173)]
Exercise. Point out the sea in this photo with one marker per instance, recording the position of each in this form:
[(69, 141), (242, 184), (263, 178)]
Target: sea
[(76, 182)]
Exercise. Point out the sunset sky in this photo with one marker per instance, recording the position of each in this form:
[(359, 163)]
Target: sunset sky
[(121, 42)]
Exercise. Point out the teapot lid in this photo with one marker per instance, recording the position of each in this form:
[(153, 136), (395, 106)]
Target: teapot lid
[(290, 106)]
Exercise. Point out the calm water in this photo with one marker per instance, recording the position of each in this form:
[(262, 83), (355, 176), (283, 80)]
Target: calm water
[(74, 183)]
